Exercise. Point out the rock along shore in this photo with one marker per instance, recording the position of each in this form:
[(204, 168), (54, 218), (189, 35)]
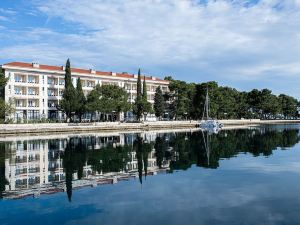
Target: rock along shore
[(12, 129)]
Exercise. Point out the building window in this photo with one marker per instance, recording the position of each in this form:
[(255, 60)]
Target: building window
[(31, 91), (31, 79), (18, 78), (127, 86), (18, 91), (50, 81), (51, 92)]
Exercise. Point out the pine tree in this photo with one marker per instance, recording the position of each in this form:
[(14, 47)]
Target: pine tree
[(68, 104), (159, 103), (81, 100)]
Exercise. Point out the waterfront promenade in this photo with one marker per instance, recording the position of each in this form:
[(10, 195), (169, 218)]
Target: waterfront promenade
[(11, 129)]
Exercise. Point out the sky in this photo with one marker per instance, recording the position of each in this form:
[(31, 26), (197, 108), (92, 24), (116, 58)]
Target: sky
[(243, 44)]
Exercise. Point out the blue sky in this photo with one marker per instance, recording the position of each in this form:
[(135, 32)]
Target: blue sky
[(239, 43)]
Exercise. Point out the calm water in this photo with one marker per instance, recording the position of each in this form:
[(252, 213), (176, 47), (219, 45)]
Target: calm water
[(244, 176)]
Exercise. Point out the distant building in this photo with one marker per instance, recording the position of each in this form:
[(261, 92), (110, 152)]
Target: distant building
[(37, 89)]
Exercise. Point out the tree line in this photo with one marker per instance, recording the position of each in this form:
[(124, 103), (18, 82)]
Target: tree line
[(187, 101), (107, 100), (183, 101)]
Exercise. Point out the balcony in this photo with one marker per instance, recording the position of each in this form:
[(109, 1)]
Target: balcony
[(52, 104), (52, 81), (20, 90), (52, 93), (33, 104), (33, 170), (20, 103), (33, 80), (20, 78), (33, 91)]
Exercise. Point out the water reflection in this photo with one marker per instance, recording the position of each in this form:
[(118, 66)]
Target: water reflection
[(43, 165)]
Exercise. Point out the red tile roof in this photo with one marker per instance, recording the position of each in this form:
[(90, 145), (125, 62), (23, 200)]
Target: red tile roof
[(76, 70)]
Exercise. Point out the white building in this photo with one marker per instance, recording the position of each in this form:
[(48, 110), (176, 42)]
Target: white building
[(37, 89)]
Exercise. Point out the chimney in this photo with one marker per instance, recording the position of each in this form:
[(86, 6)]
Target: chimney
[(92, 71), (114, 74), (153, 78), (135, 76), (63, 67), (35, 65)]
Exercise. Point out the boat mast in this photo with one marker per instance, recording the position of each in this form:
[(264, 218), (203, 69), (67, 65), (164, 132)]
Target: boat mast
[(206, 106), (207, 103)]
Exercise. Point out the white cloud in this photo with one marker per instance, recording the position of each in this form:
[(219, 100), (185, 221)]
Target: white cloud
[(224, 40)]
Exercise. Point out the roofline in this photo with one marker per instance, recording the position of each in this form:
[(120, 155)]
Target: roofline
[(77, 71)]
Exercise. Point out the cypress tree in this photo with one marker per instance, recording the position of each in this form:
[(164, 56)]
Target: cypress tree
[(68, 104), (3, 82), (145, 104), (81, 100), (138, 105), (159, 104), (144, 96)]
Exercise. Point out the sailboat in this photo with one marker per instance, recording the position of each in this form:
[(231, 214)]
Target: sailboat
[(207, 122)]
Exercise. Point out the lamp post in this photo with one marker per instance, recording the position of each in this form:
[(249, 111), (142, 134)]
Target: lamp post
[(72, 116), (167, 115), (113, 116), (185, 114), (225, 115)]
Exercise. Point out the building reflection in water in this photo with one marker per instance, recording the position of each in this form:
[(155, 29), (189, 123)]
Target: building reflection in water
[(30, 166), (35, 166)]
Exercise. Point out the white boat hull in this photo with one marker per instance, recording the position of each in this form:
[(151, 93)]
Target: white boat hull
[(206, 124)]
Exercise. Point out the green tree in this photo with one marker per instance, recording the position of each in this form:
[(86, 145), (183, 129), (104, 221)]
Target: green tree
[(159, 103), (242, 108), (138, 104), (254, 102), (81, 100), (3, 82), (269, 104), (108, 99), (288, 106), (146, 106), (69, 102), (181, 96), (93, 100)]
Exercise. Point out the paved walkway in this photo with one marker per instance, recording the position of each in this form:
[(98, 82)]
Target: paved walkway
[(12, 129)]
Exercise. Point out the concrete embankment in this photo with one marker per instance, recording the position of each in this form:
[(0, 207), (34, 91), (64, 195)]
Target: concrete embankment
[(12, 129)]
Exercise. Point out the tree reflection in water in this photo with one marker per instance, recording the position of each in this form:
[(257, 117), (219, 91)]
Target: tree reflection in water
[(88, 156)]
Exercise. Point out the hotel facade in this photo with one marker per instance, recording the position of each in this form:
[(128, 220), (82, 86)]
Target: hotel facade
[(36, 89)]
